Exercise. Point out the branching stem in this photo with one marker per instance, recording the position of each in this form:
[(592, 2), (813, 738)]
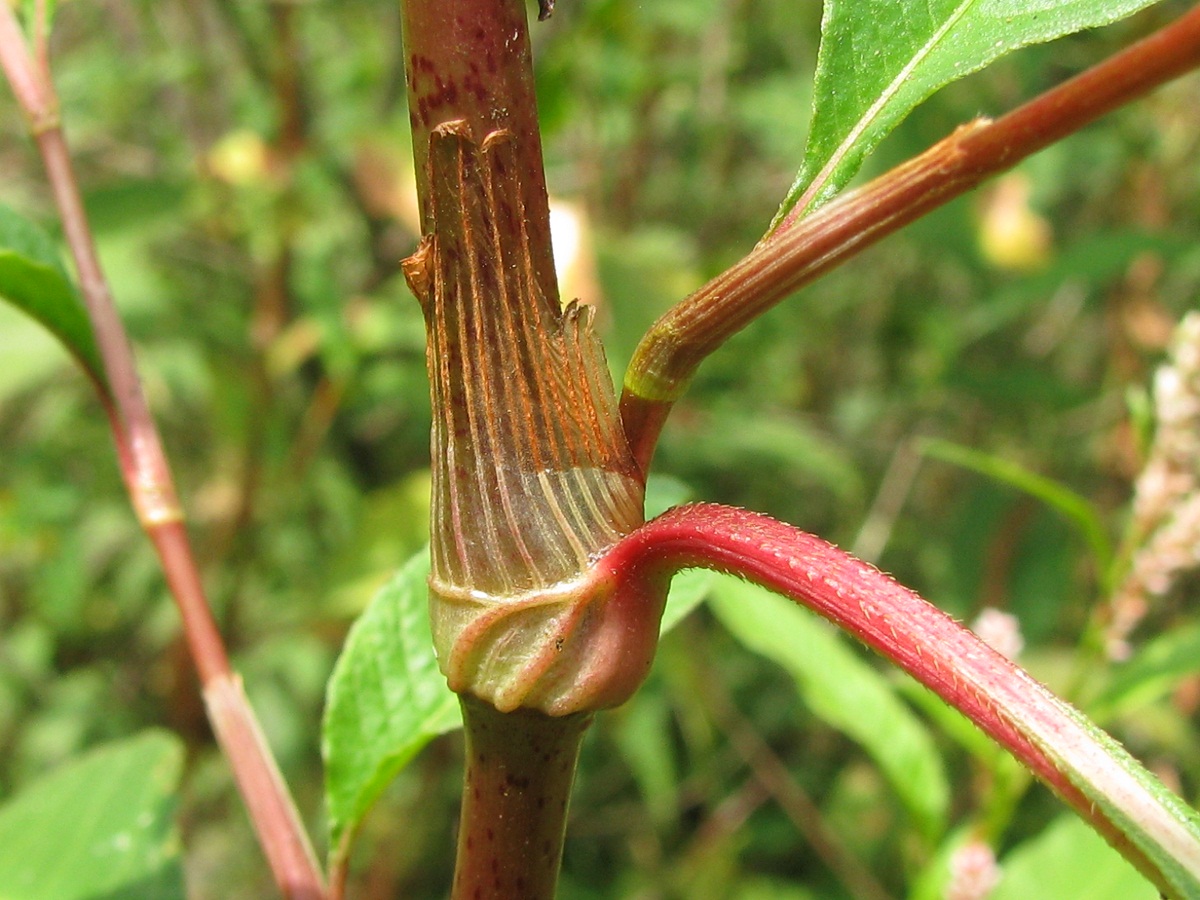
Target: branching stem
[(801, 250), (1082, 765)]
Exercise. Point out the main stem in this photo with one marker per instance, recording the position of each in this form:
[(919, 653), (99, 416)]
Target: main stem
[(484, 275), (520, 767)]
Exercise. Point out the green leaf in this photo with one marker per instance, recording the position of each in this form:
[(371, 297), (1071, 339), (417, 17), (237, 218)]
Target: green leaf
[(100, 827), (688, 590), (844, 690), (33, 279), (879, 59), (386, 700), (1070, 505), (1069, 861)]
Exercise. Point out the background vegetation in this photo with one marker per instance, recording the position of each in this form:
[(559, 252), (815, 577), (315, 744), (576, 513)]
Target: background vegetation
[(248, 171)]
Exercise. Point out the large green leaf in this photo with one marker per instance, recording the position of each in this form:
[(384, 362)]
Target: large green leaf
[(386, 700), (32, 278), (101, 827), (879, 59), (843, 690)]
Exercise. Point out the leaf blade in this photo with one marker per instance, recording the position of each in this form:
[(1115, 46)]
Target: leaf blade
[(33, 280), (385, 700), (101, 826), (879, 60)]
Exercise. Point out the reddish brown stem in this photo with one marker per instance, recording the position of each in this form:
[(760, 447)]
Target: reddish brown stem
[(521, 413), (470, 60), (676, 344), (148, 479), (1004, 701), (520, 767)]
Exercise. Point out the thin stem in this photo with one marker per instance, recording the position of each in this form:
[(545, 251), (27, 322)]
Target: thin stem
[(677, 343), (34, 94), (520, 767), (148, 480), (1082, 765)]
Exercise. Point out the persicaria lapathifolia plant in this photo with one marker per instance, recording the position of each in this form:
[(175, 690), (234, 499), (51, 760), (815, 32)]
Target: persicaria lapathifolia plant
[(545, 587), (546, 584)]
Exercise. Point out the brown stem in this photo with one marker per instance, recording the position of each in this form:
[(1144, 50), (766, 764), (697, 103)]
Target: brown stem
[(520, 767), (675, 345), (529, 468), (148, 480)]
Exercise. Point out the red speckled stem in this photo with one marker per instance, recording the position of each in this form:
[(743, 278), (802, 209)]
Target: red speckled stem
[(470, 60)]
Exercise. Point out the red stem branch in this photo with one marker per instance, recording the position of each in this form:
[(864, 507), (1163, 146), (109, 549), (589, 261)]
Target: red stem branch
[(803, 249), (1002, 699)]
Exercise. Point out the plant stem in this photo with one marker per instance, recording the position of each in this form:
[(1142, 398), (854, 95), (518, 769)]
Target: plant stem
[(530, 471), (520, 767), (1082, 765), (801, 250), (148, 480), (470, 60)]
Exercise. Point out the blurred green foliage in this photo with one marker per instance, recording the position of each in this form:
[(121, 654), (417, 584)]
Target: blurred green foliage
[(247, 169)]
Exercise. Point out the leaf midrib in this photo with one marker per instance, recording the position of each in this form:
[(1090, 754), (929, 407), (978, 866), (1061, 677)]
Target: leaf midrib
[(872, 113)]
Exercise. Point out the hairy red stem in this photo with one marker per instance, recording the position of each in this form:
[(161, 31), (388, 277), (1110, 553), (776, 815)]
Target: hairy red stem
[(1001, 698)]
